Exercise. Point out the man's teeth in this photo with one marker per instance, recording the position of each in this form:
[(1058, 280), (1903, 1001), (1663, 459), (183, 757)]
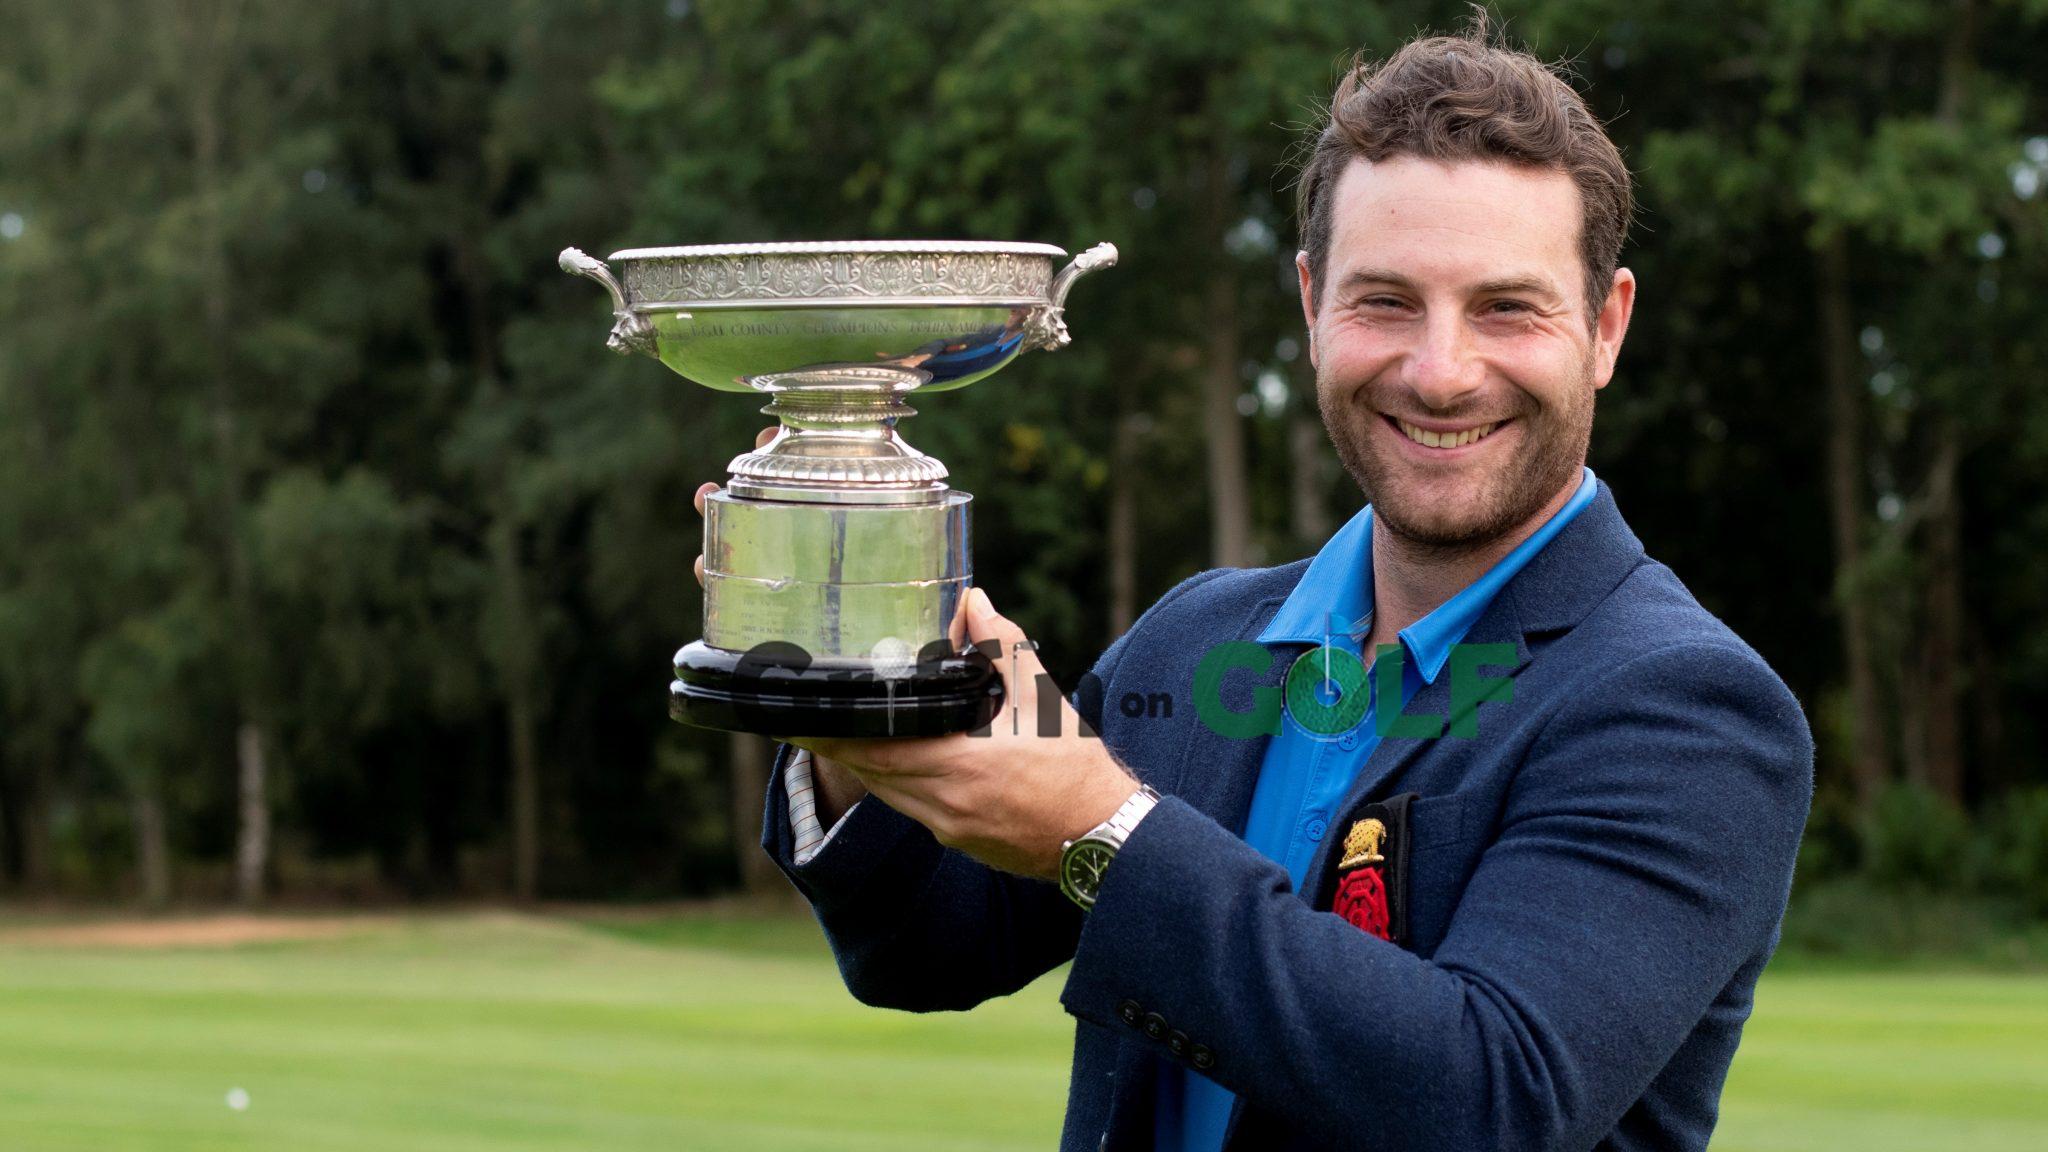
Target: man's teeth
[(1430, 439)]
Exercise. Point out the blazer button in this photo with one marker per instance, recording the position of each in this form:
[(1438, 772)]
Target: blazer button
[(1155, 1025), (1202, 1057), (1129, 1012), (1177, 1042)]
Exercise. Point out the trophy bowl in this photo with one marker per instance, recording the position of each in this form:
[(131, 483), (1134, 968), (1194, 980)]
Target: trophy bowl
[(836, 558)]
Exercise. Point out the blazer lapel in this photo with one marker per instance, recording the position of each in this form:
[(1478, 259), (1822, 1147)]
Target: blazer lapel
[(1217, 773), (1499, 624), (1559, 587)]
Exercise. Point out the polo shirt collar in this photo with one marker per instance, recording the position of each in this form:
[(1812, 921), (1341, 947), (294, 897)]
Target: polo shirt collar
[(1333, 604)]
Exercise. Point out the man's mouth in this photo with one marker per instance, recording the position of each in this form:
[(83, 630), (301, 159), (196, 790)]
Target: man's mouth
[(1450, 438)]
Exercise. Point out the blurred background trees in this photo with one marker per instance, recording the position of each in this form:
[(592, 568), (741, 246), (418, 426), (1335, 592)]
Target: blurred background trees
[(338, 559)]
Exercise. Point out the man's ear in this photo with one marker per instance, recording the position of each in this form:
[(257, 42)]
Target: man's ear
[(1308, 302), (1612, 325)]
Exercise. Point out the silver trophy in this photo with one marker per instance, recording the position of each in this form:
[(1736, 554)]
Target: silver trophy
[(836, 557)]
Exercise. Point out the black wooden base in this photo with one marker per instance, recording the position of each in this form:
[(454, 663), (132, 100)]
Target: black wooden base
[(777, 690)]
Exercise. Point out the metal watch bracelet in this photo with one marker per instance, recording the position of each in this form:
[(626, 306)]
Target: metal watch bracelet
[(1124, 820), (1083, 860)]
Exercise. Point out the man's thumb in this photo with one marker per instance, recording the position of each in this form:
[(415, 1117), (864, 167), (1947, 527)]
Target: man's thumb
[(985, 623)]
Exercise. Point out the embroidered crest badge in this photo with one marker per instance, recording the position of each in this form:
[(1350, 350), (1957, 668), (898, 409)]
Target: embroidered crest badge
[(1361, 881), (1368, 887), (1362, 846)]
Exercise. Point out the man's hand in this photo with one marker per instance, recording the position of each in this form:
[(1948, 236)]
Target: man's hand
[(1011, 798)]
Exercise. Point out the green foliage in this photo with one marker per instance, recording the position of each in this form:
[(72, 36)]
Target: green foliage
[(300, 427), (1880, 924), (1913, 837), (1914, 877), (2012, 856)]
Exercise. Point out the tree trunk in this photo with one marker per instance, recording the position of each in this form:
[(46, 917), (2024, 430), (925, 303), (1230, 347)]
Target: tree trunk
[(522, 734), (1909, 709), (38, 853), (1941, 649), (1942, 621), (1222, 428), (1308, 454), (515, 642), (517, 658), (1995, 772), (1845, 514), (252, 842), (152, 852), (204, 37), (1958, 61), (10, 826), (25, 825), (1123, 524), (749, 756)]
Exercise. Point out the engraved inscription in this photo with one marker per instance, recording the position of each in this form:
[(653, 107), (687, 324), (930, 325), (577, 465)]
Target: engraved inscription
[(936, 329), (863, 275)]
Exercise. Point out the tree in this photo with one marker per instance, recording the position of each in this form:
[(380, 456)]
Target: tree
[(328, 534), (1880, 143)]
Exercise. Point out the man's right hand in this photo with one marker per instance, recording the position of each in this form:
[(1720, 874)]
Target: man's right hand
[(837, 788)]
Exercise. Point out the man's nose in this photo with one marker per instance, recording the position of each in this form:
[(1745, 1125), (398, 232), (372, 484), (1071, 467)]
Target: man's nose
[(1444, 367)]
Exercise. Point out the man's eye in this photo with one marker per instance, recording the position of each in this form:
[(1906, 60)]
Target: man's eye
[(1380, 302), (1507, 307)]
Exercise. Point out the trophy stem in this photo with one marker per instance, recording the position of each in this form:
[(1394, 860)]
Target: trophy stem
[(838, 443)]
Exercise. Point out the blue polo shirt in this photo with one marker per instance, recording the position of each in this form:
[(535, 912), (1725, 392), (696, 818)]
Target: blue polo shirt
[(1305, 774)]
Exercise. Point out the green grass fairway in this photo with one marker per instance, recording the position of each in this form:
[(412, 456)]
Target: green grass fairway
[(501, 1032), (1868, 1062)]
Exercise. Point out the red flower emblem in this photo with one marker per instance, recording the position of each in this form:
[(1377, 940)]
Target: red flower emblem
[(1362, 900)]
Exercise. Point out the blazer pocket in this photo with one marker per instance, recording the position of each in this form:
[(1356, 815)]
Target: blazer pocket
[(1438, 820)]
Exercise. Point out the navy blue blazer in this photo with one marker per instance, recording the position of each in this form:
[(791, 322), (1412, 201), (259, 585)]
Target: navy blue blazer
[(1593, 883)]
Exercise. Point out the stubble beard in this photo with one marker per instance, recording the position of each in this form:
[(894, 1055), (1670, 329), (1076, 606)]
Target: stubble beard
[(1553, 448)]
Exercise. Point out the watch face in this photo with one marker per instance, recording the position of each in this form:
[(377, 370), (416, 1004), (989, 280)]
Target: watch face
[(1083, 866)]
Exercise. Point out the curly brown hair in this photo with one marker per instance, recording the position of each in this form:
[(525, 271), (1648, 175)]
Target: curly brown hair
[(1461, 98)]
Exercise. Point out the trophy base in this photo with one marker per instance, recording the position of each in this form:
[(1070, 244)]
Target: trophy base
[(759, 692)]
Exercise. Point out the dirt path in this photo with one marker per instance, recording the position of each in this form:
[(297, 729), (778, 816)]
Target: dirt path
[(190, 932)]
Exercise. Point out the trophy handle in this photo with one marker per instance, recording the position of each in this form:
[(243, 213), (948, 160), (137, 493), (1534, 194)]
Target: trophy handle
[(630, 331), (1046, 327)]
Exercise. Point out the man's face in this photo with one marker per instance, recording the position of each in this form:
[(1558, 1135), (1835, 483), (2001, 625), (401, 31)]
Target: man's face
[(1455, 364)]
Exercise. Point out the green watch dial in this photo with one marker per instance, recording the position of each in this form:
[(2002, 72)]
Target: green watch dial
[(1082, 868)]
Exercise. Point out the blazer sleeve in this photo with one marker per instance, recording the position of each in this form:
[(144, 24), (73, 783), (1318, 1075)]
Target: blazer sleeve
[(1644, 852), (912, 923), (919, 926)]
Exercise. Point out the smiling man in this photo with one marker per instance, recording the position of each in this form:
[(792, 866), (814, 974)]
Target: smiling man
[(1473, 831)]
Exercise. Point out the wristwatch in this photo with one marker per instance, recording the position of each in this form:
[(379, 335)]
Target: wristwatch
[(1084, 860)]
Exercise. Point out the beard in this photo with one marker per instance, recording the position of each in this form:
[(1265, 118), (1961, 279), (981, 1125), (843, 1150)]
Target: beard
[(1495, 495)]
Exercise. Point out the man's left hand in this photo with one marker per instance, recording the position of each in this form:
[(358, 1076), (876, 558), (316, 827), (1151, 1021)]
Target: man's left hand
[(1010, 798)]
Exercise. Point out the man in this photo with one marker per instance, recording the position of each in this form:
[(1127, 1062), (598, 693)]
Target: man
[(1513, 887)]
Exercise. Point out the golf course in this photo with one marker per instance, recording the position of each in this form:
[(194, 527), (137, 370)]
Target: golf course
[(719, 1030)]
